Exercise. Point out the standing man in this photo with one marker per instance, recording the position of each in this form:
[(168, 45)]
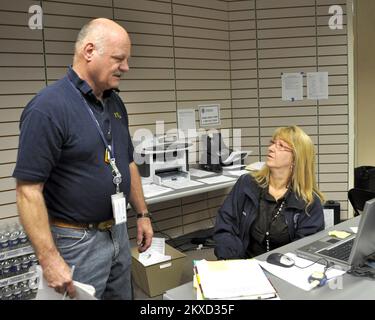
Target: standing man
[(75, 169)]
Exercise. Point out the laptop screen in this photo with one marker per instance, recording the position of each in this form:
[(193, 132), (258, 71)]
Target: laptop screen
[(364, 245)]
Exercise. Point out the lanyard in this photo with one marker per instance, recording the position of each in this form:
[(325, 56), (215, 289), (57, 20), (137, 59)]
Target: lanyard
[(91, 113), (273, 218), (117, 178)]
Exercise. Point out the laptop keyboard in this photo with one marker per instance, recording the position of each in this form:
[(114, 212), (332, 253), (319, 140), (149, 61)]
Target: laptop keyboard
[(341, 252)]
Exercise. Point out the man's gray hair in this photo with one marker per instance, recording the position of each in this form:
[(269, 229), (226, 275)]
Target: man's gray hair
[(92, 32)]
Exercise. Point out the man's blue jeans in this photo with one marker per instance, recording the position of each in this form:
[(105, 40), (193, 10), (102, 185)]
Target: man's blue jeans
[(101, 258)]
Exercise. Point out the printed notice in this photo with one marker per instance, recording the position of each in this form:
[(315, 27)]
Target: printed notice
[(186, 122), (328, 218), (292, 86), (209, 115), (317, 85)]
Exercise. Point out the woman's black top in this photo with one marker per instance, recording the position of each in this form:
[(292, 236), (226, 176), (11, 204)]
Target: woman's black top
[(265, 221)]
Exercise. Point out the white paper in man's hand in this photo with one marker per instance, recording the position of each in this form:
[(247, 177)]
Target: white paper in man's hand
[(83, 291)]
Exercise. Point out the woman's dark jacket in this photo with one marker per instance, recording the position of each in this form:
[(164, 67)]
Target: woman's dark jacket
[(240, 208)]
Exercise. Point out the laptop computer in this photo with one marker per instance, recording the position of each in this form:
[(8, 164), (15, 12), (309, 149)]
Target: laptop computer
[(348, 252)]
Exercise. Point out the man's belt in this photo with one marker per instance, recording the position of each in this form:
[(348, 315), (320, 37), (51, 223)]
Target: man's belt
[(101, 226)]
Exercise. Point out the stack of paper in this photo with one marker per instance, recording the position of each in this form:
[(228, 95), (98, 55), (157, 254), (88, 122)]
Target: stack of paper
[(181, 184), (216, 179), (200, 173), (232, 279), (234, 167), (153, 190), (154, 254), (235, 170), (152, 257)]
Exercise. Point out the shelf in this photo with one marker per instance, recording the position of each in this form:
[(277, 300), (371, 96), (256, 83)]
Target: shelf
[(8, 254), (17, 278)]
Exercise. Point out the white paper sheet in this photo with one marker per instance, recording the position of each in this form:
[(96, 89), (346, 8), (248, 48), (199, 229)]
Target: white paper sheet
[(297, 276), (234, 167), (186, 122), (153, 190), (328, 218), (83, 291), (154, 254), (235, 173), (317, 85), (292, 86), (217, 179), (157, 245), (153, 258), (200, 173), (235, 157), (354, 229), (181, 184), (209, 115)]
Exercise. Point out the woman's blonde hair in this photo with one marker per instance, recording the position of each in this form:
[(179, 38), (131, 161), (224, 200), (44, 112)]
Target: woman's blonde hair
[(303, 180)]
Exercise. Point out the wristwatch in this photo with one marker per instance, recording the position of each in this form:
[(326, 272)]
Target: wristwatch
[(144, 215)]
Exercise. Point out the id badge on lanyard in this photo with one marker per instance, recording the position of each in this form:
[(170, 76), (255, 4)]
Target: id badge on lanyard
[(118, 199)]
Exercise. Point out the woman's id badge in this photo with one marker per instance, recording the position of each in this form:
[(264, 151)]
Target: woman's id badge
[(119, 207)]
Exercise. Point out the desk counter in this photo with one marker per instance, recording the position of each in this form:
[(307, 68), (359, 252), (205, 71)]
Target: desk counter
[(190, 191), (346, 288)]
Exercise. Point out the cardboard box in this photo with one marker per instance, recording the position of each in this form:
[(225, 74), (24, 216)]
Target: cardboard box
[(158, 278)]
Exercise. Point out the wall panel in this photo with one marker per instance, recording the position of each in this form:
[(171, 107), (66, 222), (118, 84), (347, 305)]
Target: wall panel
[(22, 74), (186, 53), (244, 74)]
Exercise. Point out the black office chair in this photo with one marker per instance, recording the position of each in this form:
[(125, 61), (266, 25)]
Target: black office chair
[(358, 198)]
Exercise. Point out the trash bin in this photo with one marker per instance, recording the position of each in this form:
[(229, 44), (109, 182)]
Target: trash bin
[(364, 178)]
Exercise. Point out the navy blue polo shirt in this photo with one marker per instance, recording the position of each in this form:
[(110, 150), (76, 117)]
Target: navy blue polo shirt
[(60, 146)]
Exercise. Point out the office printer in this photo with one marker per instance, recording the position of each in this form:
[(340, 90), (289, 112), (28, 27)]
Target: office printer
[(163, 160), (216, 155)]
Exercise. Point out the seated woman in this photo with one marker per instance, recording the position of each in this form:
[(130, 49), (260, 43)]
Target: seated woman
[(274, 206)]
